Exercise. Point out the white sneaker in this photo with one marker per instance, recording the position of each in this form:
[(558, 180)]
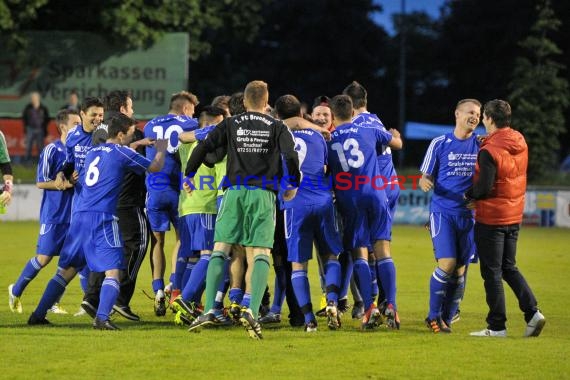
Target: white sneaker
[(535, 325), (490, 333), (80, 313), (56, 309), (13, 301)]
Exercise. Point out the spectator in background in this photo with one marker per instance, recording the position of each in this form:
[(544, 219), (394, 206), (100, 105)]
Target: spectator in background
[(36, 118), (72, 102)]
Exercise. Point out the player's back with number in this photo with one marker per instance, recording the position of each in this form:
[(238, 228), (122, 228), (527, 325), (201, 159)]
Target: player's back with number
[(352, 158), (168, 127), (313, 156), (105, 167)]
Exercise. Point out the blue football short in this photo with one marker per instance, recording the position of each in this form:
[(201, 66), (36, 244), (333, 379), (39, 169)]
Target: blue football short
[(196, 234), (162, 209), (366, 219), (51, 238), (308, 223), (452, 236)]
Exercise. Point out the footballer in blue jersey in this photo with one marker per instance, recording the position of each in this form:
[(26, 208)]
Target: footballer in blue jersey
[(310, 217), (362, 202), (359, 97), (163, 192), (448, 168), (79, 139), (94, 231), (55, 209)]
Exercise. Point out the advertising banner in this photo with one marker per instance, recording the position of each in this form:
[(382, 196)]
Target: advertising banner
[(59, 62)]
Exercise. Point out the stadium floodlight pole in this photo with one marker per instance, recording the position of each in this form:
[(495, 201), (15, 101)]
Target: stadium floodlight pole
[(402, 87)]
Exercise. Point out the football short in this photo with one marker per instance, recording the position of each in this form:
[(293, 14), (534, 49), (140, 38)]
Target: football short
[(103, 245), (51, 238), (309, 223), (246, 217), (162, 209), (365, 220), (196, 234), (72, 254), (452, 236)]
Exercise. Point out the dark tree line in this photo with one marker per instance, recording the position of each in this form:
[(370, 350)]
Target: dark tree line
[(476, 48)]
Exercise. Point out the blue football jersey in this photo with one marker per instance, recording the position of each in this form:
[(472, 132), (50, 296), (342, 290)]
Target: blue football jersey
[(56, 204), (77, 144), (352, 152), (105, 167), (168, 127), (452, 163), (315, 187), (385, 163)]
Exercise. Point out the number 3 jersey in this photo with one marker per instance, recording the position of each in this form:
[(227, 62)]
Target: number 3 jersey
[(168, 127), (353, 152), (105, 168)]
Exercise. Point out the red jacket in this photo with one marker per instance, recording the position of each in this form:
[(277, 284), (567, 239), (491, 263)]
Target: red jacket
[(505, 203)]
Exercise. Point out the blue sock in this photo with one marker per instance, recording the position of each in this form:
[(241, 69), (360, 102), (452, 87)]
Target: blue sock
[(178, 273), (373, 280), (84, 278), (300, 283), (108, 297), (280, 287), (346, 266), (197, 279), (30, 272), (246, 299), (189, 268), (54, 290), (361, 273), (387, 273), (454, 295), (223, 288), (157, 285), (437, 288), (236, 295), (332, 275)]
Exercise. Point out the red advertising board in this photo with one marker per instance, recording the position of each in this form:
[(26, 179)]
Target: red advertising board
[(13, 130)]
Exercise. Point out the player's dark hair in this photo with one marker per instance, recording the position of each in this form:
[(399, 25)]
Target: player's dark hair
[(236, 104), (499, 111), (341, 107), (287, 106), (209, 113), (222, 101), (91, 102), (120, 123), (116, 99), (357, 93), (62, 117)]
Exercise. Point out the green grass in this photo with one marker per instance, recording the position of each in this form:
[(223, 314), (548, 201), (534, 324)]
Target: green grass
[(156, 348)]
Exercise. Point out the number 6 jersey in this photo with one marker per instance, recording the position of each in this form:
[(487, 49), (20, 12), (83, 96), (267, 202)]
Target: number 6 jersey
[(105, 167)]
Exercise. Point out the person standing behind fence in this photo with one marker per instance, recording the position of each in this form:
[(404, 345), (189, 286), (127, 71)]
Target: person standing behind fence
[(36, 118), (498, 191)]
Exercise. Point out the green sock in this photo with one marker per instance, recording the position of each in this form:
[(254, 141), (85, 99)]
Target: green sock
[(258, 281), (214, 276)]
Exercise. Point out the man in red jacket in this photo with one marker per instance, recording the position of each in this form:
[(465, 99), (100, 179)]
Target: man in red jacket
[(498, 193)]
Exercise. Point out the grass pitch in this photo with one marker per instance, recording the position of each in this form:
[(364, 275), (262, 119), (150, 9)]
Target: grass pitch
[(155, 348)]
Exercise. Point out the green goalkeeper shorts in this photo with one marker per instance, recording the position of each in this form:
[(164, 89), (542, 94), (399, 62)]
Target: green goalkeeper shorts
[(246, 217)]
